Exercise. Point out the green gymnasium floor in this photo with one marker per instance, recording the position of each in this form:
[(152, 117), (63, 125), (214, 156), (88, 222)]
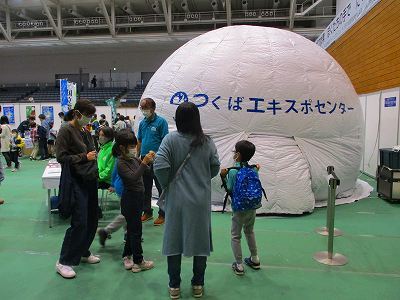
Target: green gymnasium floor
[(29, 250)]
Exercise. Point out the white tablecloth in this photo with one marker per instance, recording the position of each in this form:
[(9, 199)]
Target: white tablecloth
[(51, 175)]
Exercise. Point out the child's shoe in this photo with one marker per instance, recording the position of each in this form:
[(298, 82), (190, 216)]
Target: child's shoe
[(238, 268), (103, 236), (174, 293), (128, 262), (255, 266), (143, 266), (91, 259), (197, 291)]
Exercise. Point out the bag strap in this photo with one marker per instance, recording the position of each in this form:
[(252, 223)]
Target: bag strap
[(179, 171), (227, 194)]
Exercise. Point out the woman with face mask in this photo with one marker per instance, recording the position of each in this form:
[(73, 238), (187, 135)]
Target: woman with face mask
[(76, 152)]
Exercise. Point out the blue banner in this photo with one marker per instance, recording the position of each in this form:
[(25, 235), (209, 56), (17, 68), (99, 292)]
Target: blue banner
[(64, 95), (48, 111), (9, 112)]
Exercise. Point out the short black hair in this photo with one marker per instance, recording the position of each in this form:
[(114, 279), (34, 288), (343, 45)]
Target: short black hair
[(246, 150), (4, 120), (121, 118), (108, 132), (125, 138), (103, 116), (42, 117), (61, 114), (32, 118), (102, 122), (150, 102)]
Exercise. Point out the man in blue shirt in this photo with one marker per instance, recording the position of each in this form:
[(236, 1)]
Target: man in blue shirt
[(44, 134), (152, 130)]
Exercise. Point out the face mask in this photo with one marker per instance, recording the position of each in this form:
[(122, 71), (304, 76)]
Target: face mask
[(103, 140), (83, 121), (131, 153), (146, 113)]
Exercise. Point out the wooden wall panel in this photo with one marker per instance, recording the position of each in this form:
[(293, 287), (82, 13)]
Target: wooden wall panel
[(370, 51)]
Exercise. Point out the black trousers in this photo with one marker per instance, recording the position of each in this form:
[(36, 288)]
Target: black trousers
[(44, 152), (80, 235), (7, 157), (131, 209), (14, 155), (174, 270), (148, 178)]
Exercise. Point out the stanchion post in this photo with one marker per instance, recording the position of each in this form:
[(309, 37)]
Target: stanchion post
[(328, 257), (331, 205)]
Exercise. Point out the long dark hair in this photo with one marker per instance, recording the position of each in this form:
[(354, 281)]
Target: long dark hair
[(187, 119), (124, 137)]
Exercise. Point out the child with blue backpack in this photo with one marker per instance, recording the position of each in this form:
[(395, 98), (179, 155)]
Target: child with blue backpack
[(244, 187)]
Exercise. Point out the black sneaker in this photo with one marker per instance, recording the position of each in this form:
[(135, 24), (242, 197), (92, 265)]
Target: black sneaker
[(103, 236), (252, 264), (237, 270)]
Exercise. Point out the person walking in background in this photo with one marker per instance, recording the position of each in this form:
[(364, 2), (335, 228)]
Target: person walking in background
[(186, 162), (17, 144), (5, 139), (43, 133), (35, 141), (120, 124), (152, 130), (94, 81)]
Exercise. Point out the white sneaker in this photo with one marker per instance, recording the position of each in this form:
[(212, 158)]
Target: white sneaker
[(143, 266), (128, 262), (14, 170), (92, 259), (65, 271)]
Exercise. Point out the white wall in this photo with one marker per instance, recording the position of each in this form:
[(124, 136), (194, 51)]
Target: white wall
[(381, 126), (20, 112)]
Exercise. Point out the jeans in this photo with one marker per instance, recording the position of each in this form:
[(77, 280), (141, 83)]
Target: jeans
[(148, 177), (174, 270), (7, 157), (131, 209), (80, 235)]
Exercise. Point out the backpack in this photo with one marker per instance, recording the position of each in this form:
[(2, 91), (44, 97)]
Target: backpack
[(116, 181), (248, 191)]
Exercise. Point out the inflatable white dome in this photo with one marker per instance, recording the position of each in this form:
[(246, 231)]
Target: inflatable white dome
[(280, 91)]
